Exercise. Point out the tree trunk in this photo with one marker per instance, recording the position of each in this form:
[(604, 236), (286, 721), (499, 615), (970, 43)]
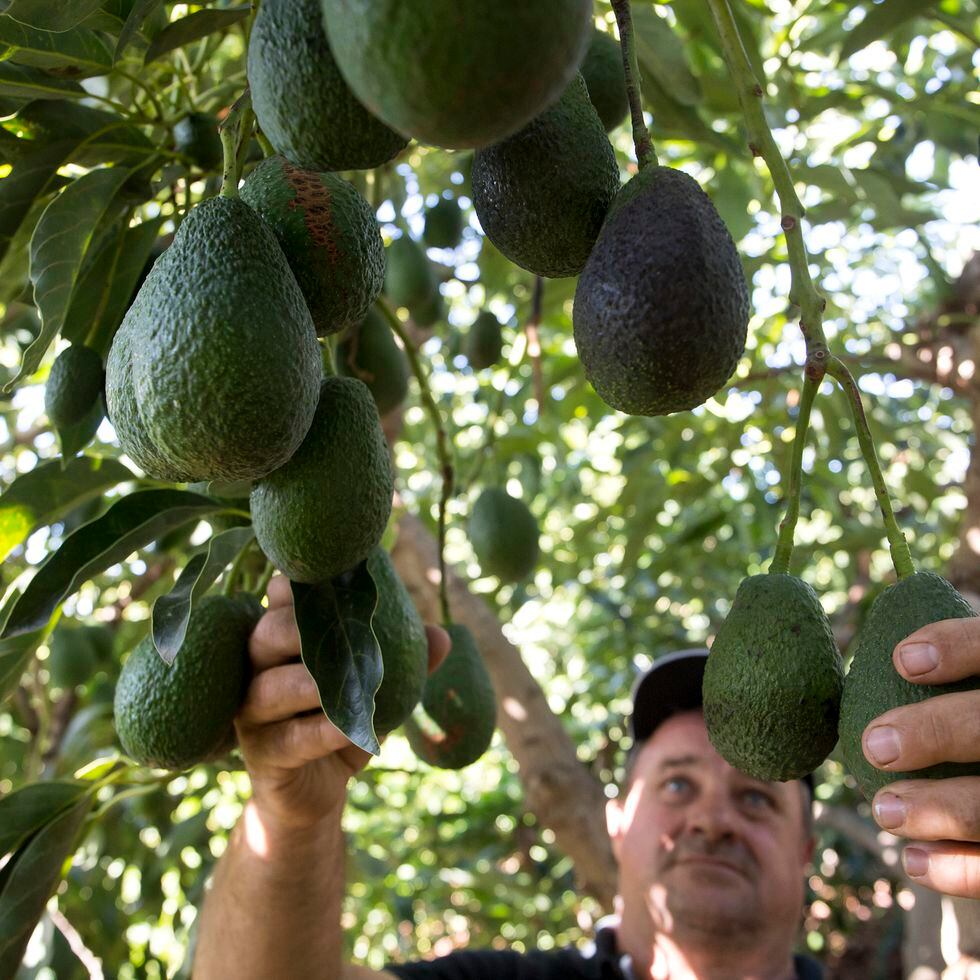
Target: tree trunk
[(562, 794)]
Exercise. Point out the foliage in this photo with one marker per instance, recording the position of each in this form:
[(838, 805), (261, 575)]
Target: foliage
[(647, 524)]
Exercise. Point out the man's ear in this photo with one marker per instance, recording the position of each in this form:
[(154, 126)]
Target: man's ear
[(614, 824)]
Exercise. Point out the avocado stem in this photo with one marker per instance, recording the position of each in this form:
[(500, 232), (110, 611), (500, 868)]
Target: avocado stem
[(646, 155), (264, 579), (235, 572), (803, 293), (234, 131), (794, 478), (442, 445), (898, 546)]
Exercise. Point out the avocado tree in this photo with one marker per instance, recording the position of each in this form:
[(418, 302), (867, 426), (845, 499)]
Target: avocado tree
[(574, 507)]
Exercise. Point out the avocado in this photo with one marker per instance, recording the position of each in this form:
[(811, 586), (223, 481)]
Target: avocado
[(325, 510), (662, 306), (77, 652), (196, 137), (772, 683), (369, 352), (74, 385), (443, 223), (542, 194), (404, 646), (172, 717), (458, 73), (431, 310), (329, 236), (460, 706), (301, 102), (605, 79), (215, 369), (504, 535), (873, 686), (409, 279), (484, 342)]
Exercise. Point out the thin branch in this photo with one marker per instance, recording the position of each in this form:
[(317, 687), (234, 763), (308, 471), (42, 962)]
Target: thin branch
[(534, 342), (646, 155)]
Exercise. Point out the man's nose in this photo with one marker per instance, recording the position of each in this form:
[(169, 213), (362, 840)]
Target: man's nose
[(711, 816)]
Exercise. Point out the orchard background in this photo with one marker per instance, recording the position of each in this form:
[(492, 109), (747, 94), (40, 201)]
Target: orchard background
[(647, 524)]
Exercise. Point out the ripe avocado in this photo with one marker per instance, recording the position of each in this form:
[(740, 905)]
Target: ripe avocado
[(196, 136), (177, 716), (504, 535), (606, 80), (458, 73), (662, 306), (484, 343), (74, 385), (329, 235), (369, 352), (404, 646), (302, 103), (461, 707), (409, 279), (444, 223), (215, 369), (873, 686), (542, 194), (326, 509), (772, 683)]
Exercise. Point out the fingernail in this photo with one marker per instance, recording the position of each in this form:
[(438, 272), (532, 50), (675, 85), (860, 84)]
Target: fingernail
[(889, 811), (918, 658), (915, 862), (882, 745)]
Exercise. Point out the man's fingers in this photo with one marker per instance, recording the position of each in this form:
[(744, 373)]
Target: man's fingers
[(930, 809), (279, 591), (945, 728), (439, 645), (278, 694), (940, 652), (275, 640), (948, 867), (293, 743)]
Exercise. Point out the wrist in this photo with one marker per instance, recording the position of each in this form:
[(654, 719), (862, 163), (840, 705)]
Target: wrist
[(274, 839)]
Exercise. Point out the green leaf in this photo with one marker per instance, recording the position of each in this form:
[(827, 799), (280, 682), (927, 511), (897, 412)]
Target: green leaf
[(48, 16), (48, 492), (29, 808), (76, 54), (58, 246), (172, 611), (34, 872), (659, 49), (193, 28), (134, 21), (341, 651), (880, 21), (129, 524), (24, 82), (15, 654)]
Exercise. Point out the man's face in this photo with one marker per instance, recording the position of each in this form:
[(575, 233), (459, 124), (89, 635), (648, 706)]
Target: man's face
[(708, 853)]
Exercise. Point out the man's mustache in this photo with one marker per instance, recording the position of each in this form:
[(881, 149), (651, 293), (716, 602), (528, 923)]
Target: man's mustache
[(727, 852)]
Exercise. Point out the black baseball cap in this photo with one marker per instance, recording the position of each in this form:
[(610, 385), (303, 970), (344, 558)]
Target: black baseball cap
[(671, 685)]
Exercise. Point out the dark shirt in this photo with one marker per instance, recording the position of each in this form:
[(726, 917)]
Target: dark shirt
[(602, 962)]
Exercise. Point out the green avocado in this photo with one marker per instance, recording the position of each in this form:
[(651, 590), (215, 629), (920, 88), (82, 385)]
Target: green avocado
[(542, 194), (409, 279), (196, 136), (301, 102), (369, 352), (504, 535), (444, 223), (329, 235), (77, 652), (404, 646), (772, 683), (484, 342), (606, 80), (215, 370), (458, 73), (662, 306), (172, 717), (431, 310), (873, 686), (74, 385), (460, 706), (325, 510)]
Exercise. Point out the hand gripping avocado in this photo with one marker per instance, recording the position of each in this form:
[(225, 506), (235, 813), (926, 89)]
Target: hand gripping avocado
[(873, 686), (302, 103), (215, 370), (461, 708), (369, 352), (458, 73), (542, 194), (326, 509), (772, 683), (329, 235), (504, 535), (662, 306)]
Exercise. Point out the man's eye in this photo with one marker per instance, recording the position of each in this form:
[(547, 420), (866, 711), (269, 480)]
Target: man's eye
[(757, 798), (677, 784)]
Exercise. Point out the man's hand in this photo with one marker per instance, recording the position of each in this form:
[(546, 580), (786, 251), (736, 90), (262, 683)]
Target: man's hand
[(942, 816), (298, 761)]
